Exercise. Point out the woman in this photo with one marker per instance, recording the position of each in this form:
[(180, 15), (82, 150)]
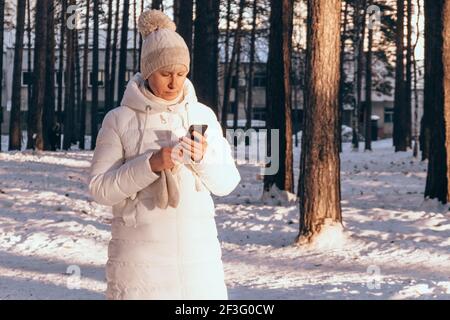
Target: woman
[(159, 181)]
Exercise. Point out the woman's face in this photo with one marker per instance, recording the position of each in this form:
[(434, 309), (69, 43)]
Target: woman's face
[(166, 83)]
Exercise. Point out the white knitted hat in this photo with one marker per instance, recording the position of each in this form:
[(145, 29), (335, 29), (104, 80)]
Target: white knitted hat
[(161, 45)]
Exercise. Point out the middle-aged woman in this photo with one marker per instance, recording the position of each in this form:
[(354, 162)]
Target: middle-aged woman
[(159, 181)]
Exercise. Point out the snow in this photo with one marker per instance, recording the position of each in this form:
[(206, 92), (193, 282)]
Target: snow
[(393, 243)]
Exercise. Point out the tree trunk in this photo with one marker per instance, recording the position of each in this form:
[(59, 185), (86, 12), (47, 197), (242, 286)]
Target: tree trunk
[(2, 22), (426, 125), (35, 137), (123, 51), (29, 47), (319, 184), (446, 60), (368, 102), (69, 99), (359, 74), (343, 76), (357, 40), (206, 61), (76, 134), (176, 12), (15, 132), (135, 36), (248, 123), (108, 57), (227, 36), (416, 93), (437, 86), (157, 4), (94, 106), (237, 95), (49, 116), (85, 80), (278, 93), (61, 66), (408, 79), (432, 31), (140, 37), (400, 140), (229, 71), (184, 26), (112, 101)]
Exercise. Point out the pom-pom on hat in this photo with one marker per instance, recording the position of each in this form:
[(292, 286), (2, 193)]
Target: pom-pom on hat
[(161, 44)]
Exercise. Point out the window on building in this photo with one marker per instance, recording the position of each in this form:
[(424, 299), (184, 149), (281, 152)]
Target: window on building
[(259, 113), (101, 78), (388, 115), (259, 80)]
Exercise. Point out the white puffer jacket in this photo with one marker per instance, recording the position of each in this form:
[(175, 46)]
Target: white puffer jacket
[(155, 253)]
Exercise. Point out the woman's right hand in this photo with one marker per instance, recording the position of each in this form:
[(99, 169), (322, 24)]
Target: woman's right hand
[(162, 160)]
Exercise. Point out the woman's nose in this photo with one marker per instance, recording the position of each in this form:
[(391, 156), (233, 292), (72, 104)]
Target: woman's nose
[(174, 82)]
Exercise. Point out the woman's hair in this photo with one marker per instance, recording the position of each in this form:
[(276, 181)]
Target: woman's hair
[(171, 68)]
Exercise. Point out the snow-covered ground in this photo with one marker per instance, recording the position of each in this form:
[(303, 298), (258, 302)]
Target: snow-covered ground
[(53, 237)]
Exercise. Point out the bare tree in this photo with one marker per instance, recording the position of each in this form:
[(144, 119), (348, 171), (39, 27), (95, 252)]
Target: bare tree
[(94, 106), (237, 95), (358, 49), (342, 73), (278, 92), (69, 99), (135, 36), (29, 46), (319, 182), (35, 134), (140, 37), (416, 93), (2, 24), (230, 67), (61, 65), (437, 97), (446, 60), (249, 109), (408, 75), (184, 24), (76, 134), (157, 4), (176, 11), (400, 141), (85, 79), (49, 121), (123, 51), (227, 35), (15, 132), (368, 102), (111, 101), (108, 56), (206, 60)]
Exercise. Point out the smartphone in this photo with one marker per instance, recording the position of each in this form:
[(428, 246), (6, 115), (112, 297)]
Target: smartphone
[(200, 128)]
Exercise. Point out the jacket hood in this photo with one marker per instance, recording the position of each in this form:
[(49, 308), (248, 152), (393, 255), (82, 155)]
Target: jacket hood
[(136, 100)]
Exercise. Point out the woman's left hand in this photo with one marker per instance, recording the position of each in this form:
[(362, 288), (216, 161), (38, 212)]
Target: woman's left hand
[(194, 148)]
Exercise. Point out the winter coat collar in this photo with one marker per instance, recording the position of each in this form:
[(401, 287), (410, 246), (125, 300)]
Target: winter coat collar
[(136, 100)]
